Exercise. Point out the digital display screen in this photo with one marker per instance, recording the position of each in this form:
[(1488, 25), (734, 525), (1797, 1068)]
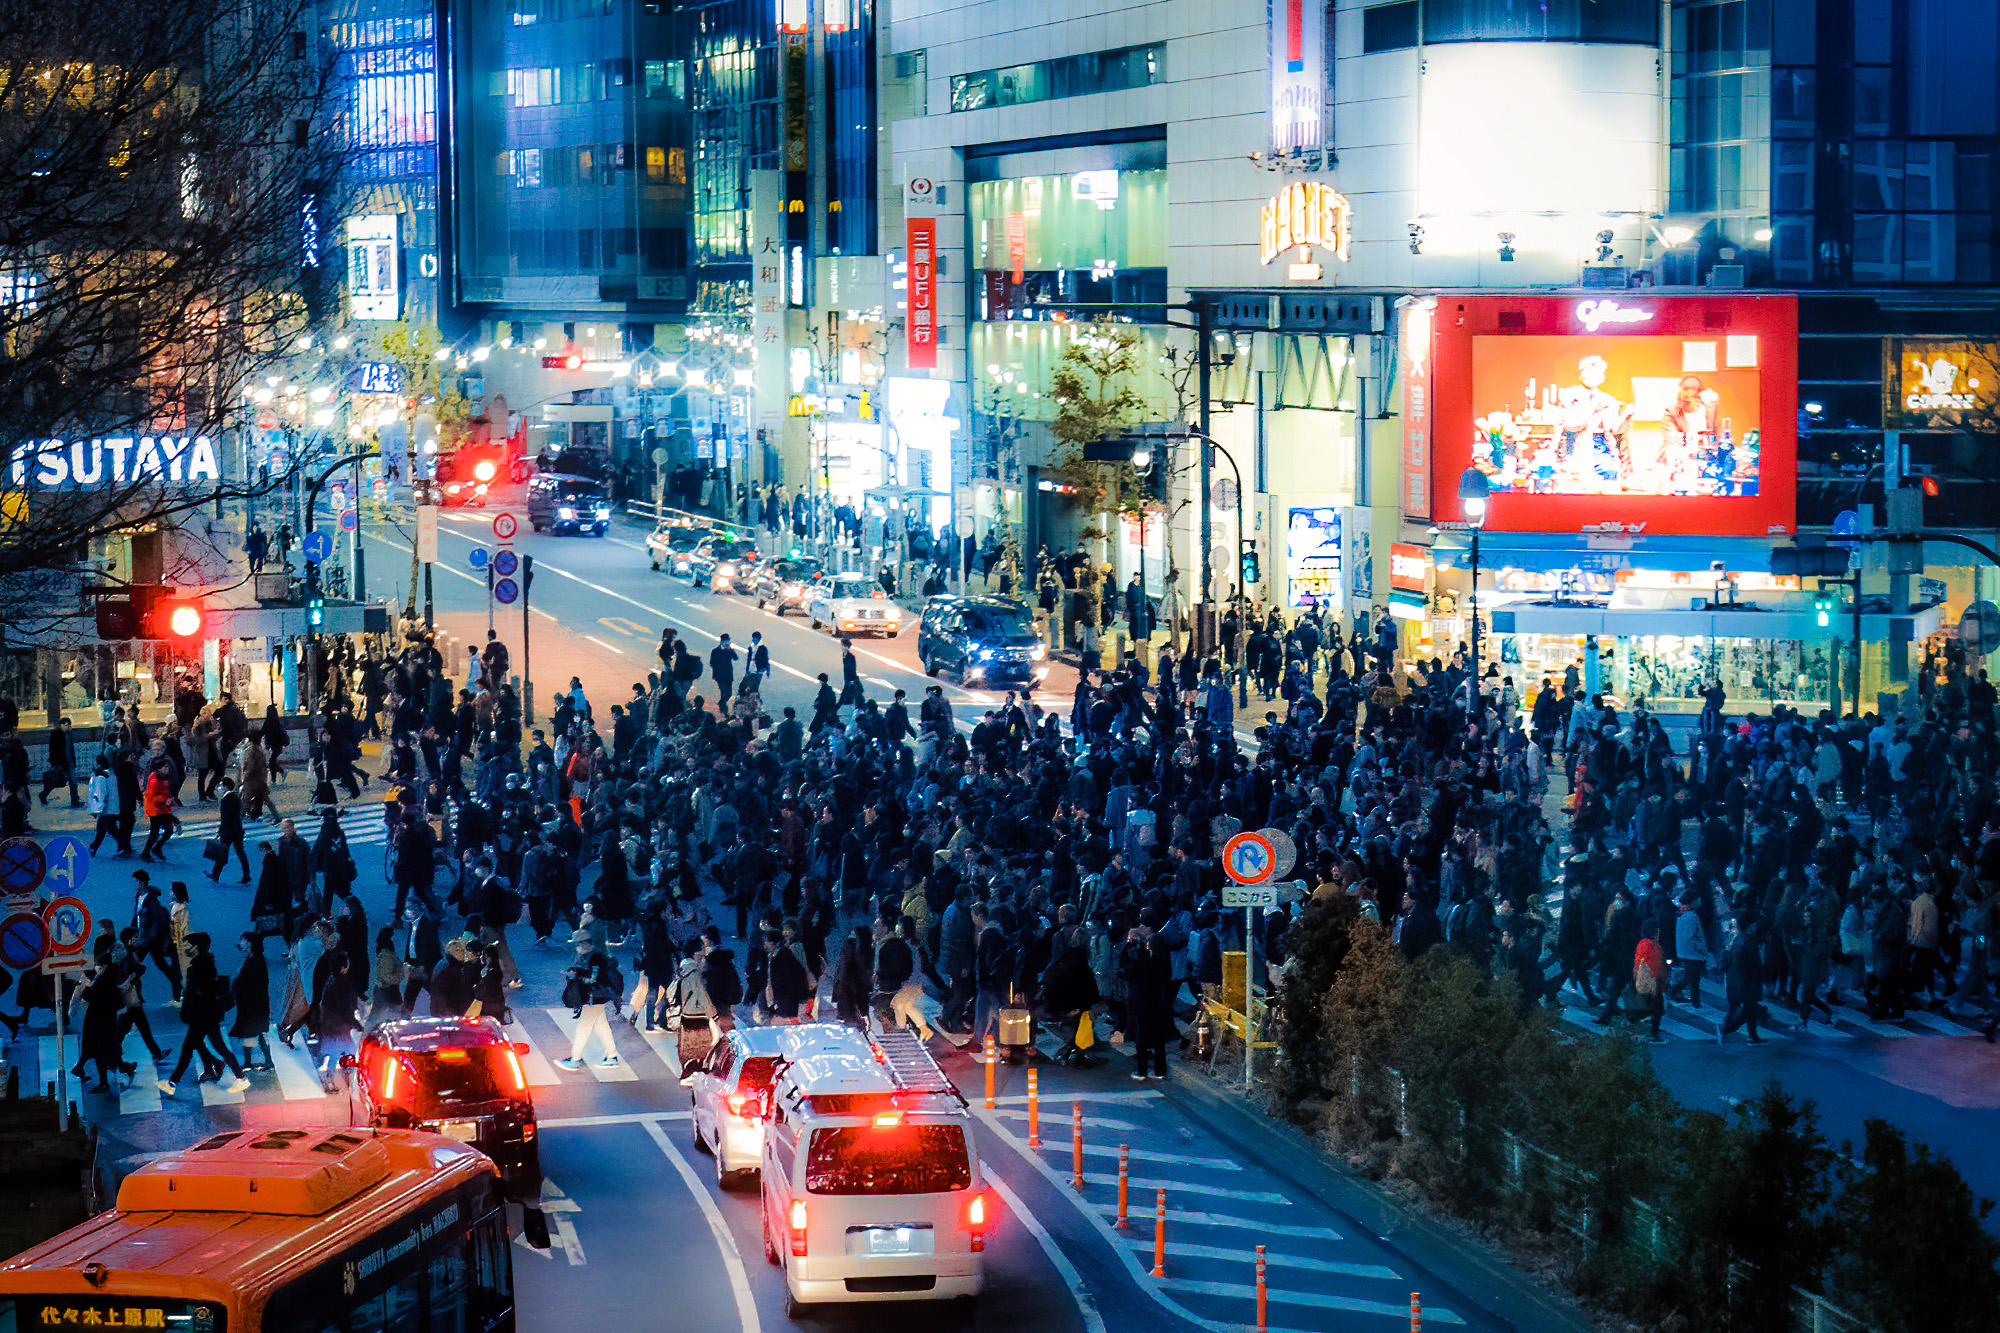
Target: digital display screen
[(1629, 414), (1617, 415), (1312, 557)]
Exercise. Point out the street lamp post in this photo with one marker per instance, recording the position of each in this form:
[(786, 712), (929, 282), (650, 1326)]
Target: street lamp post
[(1473, 490)]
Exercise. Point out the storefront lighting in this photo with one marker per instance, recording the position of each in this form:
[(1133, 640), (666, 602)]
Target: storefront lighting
[(320, 393), (481, 353), (1677, 236), (672, 370), (541, 343), (274, 380), (323, 417), (1762, 235), (743, 379), (1814, 409), (264, 395), (696, 377), (342, 343), (304, 344)]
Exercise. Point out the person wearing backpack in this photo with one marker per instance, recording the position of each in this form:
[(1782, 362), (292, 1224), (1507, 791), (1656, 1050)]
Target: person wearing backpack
[(591, 983)]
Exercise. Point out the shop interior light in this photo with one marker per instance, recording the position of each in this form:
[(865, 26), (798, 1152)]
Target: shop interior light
[(342, 343), (323, 417), (1677, 236), (442, 353), (320, 393), (481, 353), (263, 395), (1762, 235)]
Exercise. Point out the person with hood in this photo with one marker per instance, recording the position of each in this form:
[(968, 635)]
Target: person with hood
[(256, 771), (204, 999), (1148, 1012), (614, 889), (99, 1039), (271, 907), (252, 991)]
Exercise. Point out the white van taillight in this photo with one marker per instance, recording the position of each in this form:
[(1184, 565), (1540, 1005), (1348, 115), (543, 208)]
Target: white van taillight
[(975, 1221), (798, 1228), (737, 1101), (888, 1119)]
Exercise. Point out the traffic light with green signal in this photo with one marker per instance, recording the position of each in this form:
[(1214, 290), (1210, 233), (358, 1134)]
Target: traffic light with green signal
[(315, 609), (1823, 605), (1252, 567)]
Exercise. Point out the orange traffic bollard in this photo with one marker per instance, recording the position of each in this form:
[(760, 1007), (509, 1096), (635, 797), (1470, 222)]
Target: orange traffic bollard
[(992, 1053), (1262, 1323), (1034, 1112), (1160, 1236), (1124, 1164), (1416, 1313), (1076, 1144)]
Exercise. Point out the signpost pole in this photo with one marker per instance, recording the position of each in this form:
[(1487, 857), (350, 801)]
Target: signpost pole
[(489, 594), (527, 676), (1249, 994), (62, 1057)]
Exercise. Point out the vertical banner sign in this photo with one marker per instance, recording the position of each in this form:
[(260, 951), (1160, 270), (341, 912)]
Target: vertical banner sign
[(798, 162), (1017, 247), (1299, 79), (922, 233), (767, 295), (427, 533), (1416, 372)]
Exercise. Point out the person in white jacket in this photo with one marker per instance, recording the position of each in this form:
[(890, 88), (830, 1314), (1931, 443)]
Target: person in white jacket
[(102, 802)]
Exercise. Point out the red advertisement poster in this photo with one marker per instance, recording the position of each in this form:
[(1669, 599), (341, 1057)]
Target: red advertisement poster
[(922, 239), (1416, 371)]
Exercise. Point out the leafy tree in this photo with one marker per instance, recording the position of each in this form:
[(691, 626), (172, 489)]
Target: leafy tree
[(1316, 945), (1363, 1025), (1095, 399), (1916, 1255)]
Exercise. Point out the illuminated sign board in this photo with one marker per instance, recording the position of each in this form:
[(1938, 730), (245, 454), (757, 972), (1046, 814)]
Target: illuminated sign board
[(1298, 77), (920, 235), (1306, 214), (1407, 567), (1594, 315), (1941, 383), (116, 460), (374, 257), (1678, 415), (1312, 557)]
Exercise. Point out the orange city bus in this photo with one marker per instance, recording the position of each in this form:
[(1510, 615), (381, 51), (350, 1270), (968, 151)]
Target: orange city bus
[(283, 1231)]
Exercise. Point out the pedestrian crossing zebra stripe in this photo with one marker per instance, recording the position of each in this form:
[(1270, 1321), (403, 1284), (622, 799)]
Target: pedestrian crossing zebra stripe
[(371, 834)]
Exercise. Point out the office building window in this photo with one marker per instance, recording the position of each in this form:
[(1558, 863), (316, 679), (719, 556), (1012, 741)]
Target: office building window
[(1636, 21), (1389, 27), (1068, 76)]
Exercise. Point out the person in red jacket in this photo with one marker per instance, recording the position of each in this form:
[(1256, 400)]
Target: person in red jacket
[(158, 800), (1649, 979)]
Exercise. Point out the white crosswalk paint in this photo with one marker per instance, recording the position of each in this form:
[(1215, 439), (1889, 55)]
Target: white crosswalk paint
[(1313, 1299), (666, 1045), (1173, 1187), (1090, 1122), (215, 1094), (144, 1094), (298, 1078), (1145, 1095), (1936, 1023), (603, 1073), (1054, 1129), (534, 1064)]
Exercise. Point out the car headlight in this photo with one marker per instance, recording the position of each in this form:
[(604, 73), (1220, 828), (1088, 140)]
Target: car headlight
[(454, 488), (604, 511), (565, 512), (985, 653), (725, 569), (1039, 651)]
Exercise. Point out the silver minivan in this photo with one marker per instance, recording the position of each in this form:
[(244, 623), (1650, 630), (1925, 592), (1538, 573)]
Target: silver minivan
[(871, 1189)]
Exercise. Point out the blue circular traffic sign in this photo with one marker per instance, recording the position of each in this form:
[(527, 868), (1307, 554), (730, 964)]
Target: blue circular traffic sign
[(317, 546), (69, 863), (24, 940), (22, 865), (349, 520), (505, 591), (478, 557), (505, 562)]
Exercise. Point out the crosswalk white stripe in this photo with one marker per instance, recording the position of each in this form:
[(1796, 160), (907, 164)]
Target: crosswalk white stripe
[(1317, 1300), (215, 1094), (666, 1045), (1226, 1222), (144, 1094), (1275, 1259), (1936, 1023), (534, 1064), (618, 1073), (1090, 1122), (297, 1077)]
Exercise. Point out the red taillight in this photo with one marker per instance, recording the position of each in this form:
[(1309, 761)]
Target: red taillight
[(878, 594), (975, 1221), (798, 1228), (528, 1132), (737, 1101), (514, 1065)]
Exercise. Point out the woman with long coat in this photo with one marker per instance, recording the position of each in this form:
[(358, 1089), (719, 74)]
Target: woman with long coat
[(274, 737), (271, 907), (614, 888), (256, 782), (252, 991), (100, 1040), (854, 978)]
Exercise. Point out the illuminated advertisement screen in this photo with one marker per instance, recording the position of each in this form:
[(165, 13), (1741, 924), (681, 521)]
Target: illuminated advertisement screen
[(1634, 414), (1312, 557)]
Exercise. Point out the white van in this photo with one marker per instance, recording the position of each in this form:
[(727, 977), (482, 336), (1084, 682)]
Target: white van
[(871, 1186)]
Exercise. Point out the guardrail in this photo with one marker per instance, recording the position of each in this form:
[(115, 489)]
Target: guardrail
[(653, 513)]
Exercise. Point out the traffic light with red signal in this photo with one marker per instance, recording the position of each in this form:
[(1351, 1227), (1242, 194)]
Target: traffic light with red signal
[(152, 613)]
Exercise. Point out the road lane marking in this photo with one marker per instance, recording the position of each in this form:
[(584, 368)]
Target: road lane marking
[(1086, 1304), (1142, 1154), (1357, 1305), (1312, 1263), (624, 626), (1210, 1191), (596, 1121), (144, 1094), (602, 644), (1223, 1221), (747, 1318)]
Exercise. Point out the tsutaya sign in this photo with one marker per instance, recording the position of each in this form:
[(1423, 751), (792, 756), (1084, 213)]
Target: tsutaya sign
[(116, 460), (1305, 214)]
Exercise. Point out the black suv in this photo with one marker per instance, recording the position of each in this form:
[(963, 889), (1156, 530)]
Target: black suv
[(568, 504), (991, 640)]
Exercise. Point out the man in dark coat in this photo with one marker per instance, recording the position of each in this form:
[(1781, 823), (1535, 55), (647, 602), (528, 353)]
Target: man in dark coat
[(1148, 974)]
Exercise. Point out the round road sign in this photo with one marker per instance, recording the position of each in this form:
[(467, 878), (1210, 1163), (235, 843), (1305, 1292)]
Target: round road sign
[(504, 527), (505, 591), (68, 921), (22, 865), (1249, 858), (1287, 851), (478, 557), (349, 520), (69, 863), (505, 563), (1978, 629), (24, 940)]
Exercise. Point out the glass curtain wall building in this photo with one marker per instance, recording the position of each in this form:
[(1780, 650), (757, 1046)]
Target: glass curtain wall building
[(573, 177), (386, 59)]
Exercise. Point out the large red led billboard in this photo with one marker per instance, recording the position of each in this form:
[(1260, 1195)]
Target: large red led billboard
[(1665, 414)]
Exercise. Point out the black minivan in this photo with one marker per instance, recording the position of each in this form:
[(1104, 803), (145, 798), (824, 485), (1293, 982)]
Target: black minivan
[(990, 640), (557, 503)]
